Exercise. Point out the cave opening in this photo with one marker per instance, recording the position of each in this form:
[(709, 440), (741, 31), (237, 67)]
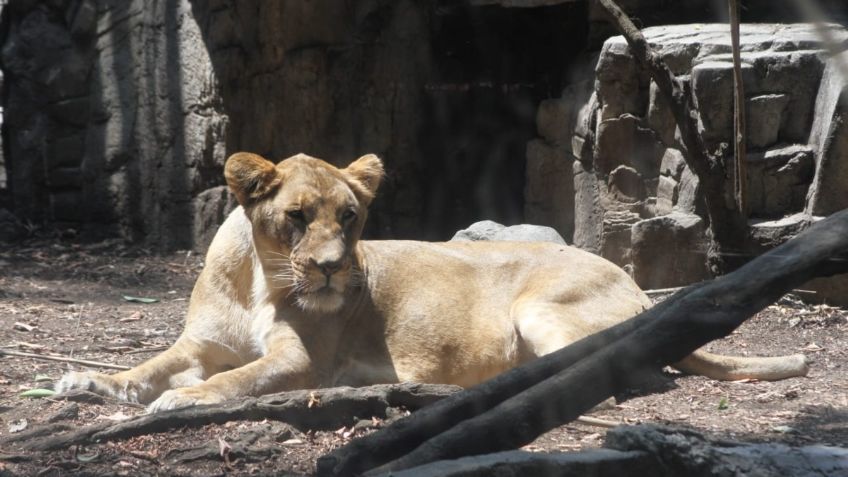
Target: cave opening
[(493, 66)]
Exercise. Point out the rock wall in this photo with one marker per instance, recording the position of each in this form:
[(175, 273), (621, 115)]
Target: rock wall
[(111, 116), (121, 113), (636, 202)]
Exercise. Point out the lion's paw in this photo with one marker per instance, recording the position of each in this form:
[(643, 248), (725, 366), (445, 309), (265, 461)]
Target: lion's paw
[(183, 397), (99, 383)]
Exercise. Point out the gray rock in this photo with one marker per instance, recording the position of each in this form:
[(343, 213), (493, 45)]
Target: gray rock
[(672, 163), (616, 236), (554, 119), (549, 187), (690, 200), (712, 88), (660, 118), (627, 141), (667, 190), (588, 211), (586, 121), (617, 84), (767, 234), (626, 184), (489, 230), (829, 138), (211, 207), (763, 119), (669, 251), (778, 180)]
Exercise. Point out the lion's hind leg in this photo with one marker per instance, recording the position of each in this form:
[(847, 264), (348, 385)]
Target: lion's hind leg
[(544, 327)]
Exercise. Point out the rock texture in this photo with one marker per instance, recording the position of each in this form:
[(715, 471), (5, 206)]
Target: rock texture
[(111, 116), (636, 201), (121, 113), (488, 230)]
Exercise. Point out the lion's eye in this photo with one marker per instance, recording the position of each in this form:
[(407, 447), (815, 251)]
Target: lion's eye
[(348, 215), (296, 215)]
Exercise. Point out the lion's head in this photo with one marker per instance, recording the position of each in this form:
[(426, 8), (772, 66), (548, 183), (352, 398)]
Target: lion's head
[(307, 216)]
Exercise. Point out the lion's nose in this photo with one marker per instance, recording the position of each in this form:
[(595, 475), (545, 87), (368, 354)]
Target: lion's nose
[(328, 266)]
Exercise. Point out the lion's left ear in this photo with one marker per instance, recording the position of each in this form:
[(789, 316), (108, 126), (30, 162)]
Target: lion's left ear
[(367, 171)]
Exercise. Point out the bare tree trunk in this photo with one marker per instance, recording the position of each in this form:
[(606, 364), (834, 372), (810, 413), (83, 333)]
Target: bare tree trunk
[(739, 134)]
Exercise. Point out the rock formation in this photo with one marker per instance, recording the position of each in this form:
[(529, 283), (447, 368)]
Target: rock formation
[(636, 202)]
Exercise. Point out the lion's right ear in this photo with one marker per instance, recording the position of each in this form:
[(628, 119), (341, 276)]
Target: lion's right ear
[(251, 177)]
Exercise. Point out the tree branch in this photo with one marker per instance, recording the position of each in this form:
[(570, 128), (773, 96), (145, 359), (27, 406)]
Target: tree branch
[(318, 409), (739, 134)]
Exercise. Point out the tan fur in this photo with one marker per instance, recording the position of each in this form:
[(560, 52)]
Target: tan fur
[(290, 298)]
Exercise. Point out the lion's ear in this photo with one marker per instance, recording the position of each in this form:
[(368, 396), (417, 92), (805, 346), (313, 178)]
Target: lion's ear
[(250, 177), (368, 171)]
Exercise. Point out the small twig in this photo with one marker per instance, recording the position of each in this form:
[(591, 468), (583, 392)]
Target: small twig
[(83, 362), (739, 133), (147, 350), (662, 291), (594, 421)]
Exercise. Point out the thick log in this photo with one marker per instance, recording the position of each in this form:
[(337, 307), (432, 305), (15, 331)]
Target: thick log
[(659, 336), (651, 450), (322, 409), (684, 452)]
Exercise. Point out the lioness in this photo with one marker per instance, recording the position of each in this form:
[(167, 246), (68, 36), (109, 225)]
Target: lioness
[(290, 298)]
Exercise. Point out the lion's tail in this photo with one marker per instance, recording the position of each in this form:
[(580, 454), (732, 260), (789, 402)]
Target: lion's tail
[(732, 368)]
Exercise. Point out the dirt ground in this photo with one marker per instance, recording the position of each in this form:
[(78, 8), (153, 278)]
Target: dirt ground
[(66, 299)]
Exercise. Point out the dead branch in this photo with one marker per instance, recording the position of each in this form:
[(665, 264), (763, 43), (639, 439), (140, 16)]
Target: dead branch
[(83, 362), (321, 409), (664, 334), (741, 176)]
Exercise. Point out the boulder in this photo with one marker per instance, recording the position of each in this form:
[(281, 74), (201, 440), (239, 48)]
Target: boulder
[(627, 140), (778, 180), (489, 230), (690, 199), (667, 190), (672, 163), (616, 237), (588, 211), (669, 251), (626, 184), (764, 116)]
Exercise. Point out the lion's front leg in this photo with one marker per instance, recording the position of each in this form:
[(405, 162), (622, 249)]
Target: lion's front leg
[(277, 371), (180, 365)]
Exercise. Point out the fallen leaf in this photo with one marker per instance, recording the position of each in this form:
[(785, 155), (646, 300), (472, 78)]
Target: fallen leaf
[(86, 457), (292, 442), (17, 425), (37, 393), (42, 377), (139, 299)]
